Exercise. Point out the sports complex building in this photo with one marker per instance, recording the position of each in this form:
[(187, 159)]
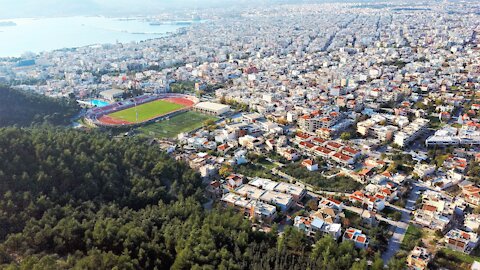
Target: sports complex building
[(211, 108), (140, 110)]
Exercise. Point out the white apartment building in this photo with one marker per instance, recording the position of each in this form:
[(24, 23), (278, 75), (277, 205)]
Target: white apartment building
[(461, 240), (411, 132), (453, 136)]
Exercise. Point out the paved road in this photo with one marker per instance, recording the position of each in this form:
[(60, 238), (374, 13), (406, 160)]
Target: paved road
[(396, 240), (400, 228), (398, 208)]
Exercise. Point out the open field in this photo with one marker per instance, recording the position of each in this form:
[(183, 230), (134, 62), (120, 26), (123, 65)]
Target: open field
[(146, 111), (316, 179), (267, 164), (177, 124), (412, 238), (450, 259)]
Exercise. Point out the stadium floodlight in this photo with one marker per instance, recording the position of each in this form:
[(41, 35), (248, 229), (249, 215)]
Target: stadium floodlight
[(136, 111)]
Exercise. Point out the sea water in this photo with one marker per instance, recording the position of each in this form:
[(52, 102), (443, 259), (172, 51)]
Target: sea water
[(46, 34)]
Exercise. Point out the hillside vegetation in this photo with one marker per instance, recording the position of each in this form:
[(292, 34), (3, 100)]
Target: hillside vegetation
[(24, 109), (70, 200)]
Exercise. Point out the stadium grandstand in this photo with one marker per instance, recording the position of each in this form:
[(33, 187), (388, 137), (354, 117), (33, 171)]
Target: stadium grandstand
[(139, 110)]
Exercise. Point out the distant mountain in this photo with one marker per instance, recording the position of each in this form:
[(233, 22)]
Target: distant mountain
[(56, 8), (5, 24), (32, 8)]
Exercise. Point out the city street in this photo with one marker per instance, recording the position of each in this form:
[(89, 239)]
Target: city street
[(401, 227)]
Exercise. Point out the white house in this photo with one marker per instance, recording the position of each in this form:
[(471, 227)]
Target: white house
[(310, 165), (472, 222), (357, 237)]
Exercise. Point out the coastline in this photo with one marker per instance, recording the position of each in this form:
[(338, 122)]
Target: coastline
[(73, 32)]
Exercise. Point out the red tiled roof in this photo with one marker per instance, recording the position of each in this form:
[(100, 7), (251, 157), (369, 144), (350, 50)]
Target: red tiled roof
[(387, 191), (325, 130), (323, 150), (361, 239), (359, 193), (352, 197), (342, 156), (334, 144), (364, 171), (222, 147), (387, 174), (326, 119), (303, 135), (350, 150), (471, 190), (465, 235), (308, 162), (334, 201), (430, 208), (215, 184), (309, 144)]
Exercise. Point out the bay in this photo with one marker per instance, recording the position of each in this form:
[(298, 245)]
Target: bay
[(47, 34)]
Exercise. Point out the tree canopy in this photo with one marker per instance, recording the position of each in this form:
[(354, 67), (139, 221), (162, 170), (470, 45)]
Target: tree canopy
[(73, 200), (24, 108)]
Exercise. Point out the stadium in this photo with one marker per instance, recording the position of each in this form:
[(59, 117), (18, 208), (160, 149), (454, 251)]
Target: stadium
[(140, 110)]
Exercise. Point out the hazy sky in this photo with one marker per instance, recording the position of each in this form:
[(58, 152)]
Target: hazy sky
[(55, 8), (35, 8)]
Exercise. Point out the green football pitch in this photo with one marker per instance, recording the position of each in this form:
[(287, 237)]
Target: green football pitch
[(146, 111), (170, 128)]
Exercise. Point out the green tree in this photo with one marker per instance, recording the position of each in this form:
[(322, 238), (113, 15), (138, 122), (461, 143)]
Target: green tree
[(24, 108), (360, 265), (396, 264), (345, 136), (225, 171), (75, 200), (397, 216), (377, 263)]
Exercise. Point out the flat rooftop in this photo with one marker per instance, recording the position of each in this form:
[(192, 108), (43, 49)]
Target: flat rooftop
[(263, 183), (211, 106), (236, 200), (250, 191), (111, 92), (289, 189), (276, 198), (264, 209)]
